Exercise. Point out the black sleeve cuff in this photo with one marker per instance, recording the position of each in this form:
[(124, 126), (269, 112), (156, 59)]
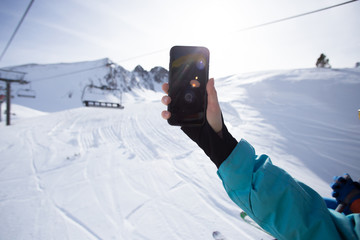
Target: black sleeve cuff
[(215, 147)]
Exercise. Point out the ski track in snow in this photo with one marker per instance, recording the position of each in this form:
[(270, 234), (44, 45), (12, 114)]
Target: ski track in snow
[(77, 222), (119, 134)]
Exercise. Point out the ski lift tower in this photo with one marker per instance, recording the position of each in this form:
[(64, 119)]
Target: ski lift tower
[(2, 99), (10, 77)]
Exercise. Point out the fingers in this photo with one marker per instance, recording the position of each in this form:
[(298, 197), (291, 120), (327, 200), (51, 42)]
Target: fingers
[(212, 94), (165, 115), (342, 187), (166, 101), (213, 112), (210, 87), (341, 180), (165, 88)]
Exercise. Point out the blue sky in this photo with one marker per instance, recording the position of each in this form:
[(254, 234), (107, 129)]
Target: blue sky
[(75, 30)]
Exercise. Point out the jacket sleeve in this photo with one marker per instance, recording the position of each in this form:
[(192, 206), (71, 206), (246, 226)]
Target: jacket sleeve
[(284, 207)]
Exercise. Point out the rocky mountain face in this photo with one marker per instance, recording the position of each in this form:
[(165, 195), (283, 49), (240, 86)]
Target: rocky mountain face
[(125, 80)]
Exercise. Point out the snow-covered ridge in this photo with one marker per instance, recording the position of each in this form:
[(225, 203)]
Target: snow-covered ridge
[(61, 86)]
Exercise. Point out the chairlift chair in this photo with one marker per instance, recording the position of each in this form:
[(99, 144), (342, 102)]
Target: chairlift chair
[(100, 103), (26, 93)]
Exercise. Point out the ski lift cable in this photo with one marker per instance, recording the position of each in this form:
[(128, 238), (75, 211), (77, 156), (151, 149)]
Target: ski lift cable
[(250, 28), (11, 71), (295, 16), (16, 29), (143, 55), (66, 74)]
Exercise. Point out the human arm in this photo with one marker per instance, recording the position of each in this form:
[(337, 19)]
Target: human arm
[(286, 208)]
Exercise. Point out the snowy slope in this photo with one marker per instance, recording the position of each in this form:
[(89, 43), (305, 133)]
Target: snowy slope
[(304, 119), (90, 173)]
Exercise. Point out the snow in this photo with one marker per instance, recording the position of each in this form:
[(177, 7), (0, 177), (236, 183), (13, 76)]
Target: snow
[(94, 173)]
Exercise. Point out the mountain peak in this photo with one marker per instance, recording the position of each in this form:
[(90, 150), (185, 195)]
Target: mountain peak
[(139, 68)]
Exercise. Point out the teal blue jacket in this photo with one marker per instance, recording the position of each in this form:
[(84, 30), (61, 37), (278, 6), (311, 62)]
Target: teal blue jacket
[(283, 206)]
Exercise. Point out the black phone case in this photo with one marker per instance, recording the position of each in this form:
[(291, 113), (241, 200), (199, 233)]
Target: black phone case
[(182, 114)]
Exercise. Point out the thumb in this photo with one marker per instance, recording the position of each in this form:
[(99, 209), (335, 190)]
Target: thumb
[(213, 111)]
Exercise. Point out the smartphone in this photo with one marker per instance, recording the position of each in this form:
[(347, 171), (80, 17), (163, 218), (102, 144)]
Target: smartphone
[(188, 76)]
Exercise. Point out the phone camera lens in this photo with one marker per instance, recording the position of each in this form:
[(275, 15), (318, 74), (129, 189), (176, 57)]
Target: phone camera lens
[(189, 97)]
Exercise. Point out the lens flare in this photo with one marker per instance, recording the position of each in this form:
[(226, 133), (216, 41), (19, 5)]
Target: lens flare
[(195, 83)]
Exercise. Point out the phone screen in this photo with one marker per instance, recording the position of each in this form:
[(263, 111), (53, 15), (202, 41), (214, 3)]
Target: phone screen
[(188, 76)]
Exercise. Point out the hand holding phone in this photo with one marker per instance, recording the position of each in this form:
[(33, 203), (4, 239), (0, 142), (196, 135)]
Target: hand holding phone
[(189, 72)]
